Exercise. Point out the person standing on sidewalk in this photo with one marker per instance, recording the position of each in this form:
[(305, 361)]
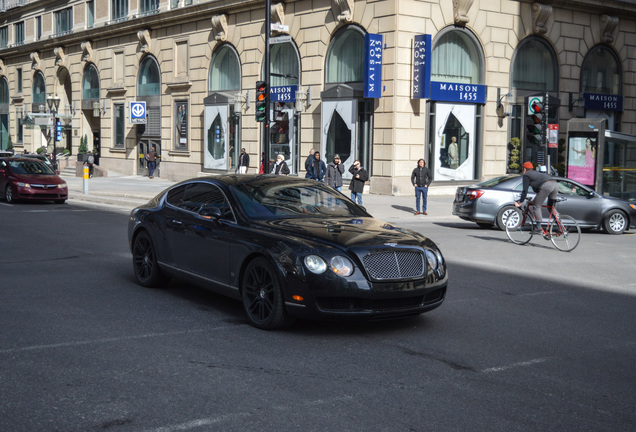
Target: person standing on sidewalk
[(152, 161), (421, 179), (244, 162), (308, 163), (317, 169), (358, 177), (335, 170)]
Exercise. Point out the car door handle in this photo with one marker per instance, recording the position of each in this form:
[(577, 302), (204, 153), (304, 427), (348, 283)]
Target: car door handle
[(177, 222)]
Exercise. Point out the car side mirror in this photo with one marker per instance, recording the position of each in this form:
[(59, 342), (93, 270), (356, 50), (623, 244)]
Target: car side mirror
[(591, 194), (209, 211)]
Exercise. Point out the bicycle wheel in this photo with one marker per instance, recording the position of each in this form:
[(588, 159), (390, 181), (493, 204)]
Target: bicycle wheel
[(519, 229), (565, 234)]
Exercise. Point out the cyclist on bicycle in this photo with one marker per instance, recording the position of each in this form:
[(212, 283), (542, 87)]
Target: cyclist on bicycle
[(544, 185)]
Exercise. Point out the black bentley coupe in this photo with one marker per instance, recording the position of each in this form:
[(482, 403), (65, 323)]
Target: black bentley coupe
[(286, 248)]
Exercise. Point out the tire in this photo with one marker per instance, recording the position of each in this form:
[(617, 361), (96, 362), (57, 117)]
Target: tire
[(615, 222), (145, 265), (8, 194), (262, 296), (567, 239), (520, 232), (503, 215), (485, 225)]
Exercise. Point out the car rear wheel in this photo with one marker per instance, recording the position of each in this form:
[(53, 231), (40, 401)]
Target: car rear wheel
[(8, 194), (505, 213), (145, 264), (263, 297), (615, 222)]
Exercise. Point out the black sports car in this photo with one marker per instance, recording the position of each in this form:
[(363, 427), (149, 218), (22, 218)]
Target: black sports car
[(287, 248), (491, 202)]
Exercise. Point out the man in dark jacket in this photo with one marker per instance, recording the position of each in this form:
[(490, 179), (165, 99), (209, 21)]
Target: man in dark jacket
[(308, 162), (358, 176), (421, 178), (244, 162), (335, 170), (543, 184), (317, 168)]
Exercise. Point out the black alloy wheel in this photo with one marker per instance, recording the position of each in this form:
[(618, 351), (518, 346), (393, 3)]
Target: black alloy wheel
[(8, 194), (262, 296), (145, 264)]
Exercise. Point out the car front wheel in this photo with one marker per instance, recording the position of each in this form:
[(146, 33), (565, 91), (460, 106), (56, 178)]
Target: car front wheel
[(8, 194), (615, 222), (263, 297)]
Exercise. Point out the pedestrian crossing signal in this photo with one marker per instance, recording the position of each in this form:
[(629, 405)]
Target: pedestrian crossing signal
[(261, 100), (279, 115)]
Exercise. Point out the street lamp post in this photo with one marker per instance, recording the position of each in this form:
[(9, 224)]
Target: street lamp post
[(53, 103)]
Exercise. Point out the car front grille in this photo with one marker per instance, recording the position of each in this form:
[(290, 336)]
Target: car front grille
[(352, 304), (394, 264), (43, 186)]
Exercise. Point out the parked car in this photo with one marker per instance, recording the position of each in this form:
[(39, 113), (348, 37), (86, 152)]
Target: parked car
[(6, 153), (286, 248), (491, 202), (30, 179)]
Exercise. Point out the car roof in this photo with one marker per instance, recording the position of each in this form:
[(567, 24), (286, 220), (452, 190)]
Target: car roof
[(253, 179)]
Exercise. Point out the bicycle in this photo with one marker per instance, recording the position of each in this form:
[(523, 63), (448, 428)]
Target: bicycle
[(562, 230)]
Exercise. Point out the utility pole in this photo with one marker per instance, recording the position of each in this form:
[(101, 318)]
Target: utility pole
[(266, 78)]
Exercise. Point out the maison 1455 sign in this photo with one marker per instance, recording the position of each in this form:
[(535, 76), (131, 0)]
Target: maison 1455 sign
[(603, 102), (373, 66), (424, 88)]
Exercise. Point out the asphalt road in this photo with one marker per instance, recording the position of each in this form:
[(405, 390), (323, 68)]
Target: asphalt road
[(529, 339)]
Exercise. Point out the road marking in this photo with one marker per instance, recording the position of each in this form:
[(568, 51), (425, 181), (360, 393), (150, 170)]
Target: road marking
[(514, 365), (193, 424), (106, 340)]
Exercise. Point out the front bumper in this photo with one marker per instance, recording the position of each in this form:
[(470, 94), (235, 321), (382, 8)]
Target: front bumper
[(41, 192)]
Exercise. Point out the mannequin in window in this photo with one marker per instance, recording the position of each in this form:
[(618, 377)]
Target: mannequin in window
[(452, 153)]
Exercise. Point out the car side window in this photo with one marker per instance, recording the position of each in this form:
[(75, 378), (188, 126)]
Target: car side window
[(199, 194), (175, 196), (570, 189)]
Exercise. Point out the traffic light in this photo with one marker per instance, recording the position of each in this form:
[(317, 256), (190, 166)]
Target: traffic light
[(279, 115), (535, 124), (261, 100)]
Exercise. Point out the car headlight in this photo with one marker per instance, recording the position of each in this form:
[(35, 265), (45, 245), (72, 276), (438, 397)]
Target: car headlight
[(341, 266), (434, 260), (315, 264), (62, 186), (27, 185)]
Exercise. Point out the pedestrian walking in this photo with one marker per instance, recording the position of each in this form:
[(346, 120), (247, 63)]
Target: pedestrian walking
[(358, 177), (308, 163), (244, 162), (90, 160), (261, 170), (333, 177), (317, 168), (421, 178), (280, 166), (151, 157)]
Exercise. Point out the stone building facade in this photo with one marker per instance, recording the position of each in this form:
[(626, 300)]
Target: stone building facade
[(195, 66)]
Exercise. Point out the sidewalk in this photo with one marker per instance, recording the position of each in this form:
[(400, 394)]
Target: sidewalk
[(132, 191)]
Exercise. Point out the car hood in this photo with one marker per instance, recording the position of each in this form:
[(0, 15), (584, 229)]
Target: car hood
[(345, 232), (39, 178)]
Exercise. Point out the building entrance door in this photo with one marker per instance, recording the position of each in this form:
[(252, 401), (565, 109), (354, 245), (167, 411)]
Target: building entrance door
[(339, 131)]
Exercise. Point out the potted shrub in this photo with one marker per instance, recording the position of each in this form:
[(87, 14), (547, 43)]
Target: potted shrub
[(83, 149), (514, 154)]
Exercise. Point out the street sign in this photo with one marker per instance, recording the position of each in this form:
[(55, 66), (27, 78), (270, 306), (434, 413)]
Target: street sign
[(283, 93), (137, 112), (553, 136)]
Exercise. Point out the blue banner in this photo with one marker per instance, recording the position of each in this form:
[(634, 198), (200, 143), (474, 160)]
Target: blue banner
[(283, 93), (422, 66), (373, 66), (455, 92), (58, 130), (603, 102)]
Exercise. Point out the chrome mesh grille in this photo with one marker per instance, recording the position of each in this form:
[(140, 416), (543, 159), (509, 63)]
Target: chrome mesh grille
[(398, 264)]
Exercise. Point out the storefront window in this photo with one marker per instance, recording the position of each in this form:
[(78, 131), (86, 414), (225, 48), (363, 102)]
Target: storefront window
[(456, 59), (345, 59), (39, 89)]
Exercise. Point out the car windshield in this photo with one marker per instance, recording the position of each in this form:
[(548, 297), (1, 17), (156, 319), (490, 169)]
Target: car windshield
[(31, 167), (269, 201)]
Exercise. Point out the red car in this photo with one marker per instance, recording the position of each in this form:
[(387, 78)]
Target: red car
[(30, 179)]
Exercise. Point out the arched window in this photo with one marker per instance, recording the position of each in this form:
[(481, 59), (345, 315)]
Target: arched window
[(225, 70), (600, 72), (457, 58), (149, 79), (345, 58), (90, 82), (39, 89), (535, 66), (4, 92), (284, 62), (4, 113)]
